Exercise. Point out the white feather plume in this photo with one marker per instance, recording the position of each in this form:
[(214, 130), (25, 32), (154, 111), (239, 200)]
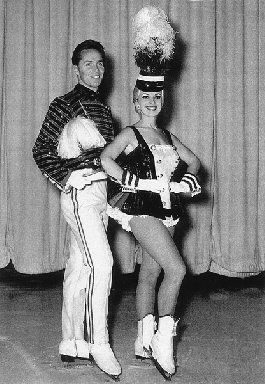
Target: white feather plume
[(79, 134), (153, 35)]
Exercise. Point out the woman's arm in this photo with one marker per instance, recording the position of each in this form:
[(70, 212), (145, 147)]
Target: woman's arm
[(124, 139), (189, 182), (126, 142), (188, 156)]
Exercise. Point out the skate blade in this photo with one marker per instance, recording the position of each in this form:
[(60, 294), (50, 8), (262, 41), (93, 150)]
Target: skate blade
[(71, 361), (113, 377), (167, 376), (67, 359), (142, 358)]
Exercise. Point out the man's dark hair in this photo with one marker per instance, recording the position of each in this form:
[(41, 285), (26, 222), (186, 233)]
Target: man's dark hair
[(87, 44)]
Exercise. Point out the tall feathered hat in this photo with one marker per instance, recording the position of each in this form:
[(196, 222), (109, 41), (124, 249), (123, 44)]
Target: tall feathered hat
[(153, 47)]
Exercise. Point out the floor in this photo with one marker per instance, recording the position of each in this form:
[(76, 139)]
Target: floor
[(221, 338)]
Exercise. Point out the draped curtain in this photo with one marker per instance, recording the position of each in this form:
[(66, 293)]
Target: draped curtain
[(214, 103)]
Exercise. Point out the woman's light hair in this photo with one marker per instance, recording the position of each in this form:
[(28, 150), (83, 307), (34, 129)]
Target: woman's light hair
[(136, 92)]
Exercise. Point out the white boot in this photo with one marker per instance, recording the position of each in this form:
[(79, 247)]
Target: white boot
[(106, 360), (67, 350), (146, 330), (70, 349), (162, 346), (82, 349)]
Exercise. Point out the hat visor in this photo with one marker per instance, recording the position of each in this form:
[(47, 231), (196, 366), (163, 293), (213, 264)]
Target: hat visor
[(149, 86)]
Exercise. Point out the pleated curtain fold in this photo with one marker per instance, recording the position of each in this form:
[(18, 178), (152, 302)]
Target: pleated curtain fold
[(214, 103)]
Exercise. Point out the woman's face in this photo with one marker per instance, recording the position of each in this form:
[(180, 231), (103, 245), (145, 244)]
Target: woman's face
[(149, 103)]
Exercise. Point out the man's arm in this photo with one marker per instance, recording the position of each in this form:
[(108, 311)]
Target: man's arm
[(56, 169)]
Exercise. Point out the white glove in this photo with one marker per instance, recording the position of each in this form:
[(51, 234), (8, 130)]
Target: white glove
[(178, 187), (131, 183), (188, 184), (82, 177), (152, 185), (95, 176)]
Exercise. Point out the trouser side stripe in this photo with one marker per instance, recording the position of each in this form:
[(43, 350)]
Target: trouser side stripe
[(89, 309)]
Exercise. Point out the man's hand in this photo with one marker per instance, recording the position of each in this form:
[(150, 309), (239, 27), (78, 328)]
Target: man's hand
[(82, 177)]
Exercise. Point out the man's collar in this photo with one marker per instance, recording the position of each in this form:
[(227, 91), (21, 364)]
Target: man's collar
[(87, 91)]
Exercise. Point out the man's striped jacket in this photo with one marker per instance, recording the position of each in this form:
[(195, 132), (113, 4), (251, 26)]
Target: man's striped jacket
[(81, 101)]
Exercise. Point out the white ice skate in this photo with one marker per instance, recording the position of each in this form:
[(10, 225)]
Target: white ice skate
[(162, 347), (146, 330), (105, 359), (71, 349)]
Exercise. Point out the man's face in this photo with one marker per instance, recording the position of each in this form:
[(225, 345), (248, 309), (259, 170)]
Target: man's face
[(90, 69)]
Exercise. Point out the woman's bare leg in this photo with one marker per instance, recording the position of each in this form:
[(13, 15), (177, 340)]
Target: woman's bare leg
[(157, 241), (145, 291)]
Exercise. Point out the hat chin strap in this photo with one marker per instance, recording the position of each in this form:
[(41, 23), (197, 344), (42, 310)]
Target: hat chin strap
[(150, 78)]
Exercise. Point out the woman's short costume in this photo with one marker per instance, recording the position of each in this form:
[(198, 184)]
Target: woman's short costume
[(154, 40), (147, 162)]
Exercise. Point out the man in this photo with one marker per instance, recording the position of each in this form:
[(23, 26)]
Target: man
[(88, 272)]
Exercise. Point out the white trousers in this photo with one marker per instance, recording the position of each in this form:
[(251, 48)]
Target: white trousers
[(88, 272)]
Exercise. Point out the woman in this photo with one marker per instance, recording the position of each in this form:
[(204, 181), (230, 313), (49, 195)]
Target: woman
[(144, 200)]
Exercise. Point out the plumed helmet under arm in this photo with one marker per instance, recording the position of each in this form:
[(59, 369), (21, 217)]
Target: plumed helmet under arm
[(79, 134)]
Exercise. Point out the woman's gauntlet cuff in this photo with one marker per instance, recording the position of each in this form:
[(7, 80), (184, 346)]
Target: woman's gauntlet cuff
[(190, 184), (129, 181)]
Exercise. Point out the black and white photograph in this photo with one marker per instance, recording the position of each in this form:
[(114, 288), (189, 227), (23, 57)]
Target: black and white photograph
[(132, 191)]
